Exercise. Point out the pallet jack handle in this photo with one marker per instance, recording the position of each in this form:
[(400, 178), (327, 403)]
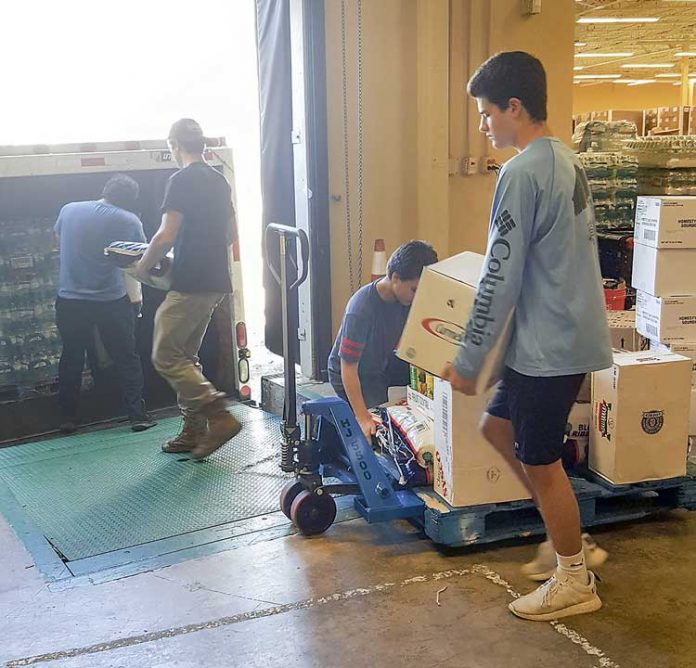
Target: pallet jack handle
[(290, 429), (284, 231)]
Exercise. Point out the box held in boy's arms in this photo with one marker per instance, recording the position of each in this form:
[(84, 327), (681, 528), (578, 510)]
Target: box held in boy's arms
[(444, 301)]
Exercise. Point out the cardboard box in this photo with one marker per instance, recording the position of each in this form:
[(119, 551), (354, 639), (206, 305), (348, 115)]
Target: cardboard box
[(683, 348), (439, 314), (420, 402), (664, 272), (421, 381), (633, 116), (622, 329), (578, 427), (640, 417), (666, 319), (692, 413), (468, 470), (666, 222)]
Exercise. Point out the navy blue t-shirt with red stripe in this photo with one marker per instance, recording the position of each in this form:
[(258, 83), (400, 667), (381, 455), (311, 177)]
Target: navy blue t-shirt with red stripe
[(369, 334)]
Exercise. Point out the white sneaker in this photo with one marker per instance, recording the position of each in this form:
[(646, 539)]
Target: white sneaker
[(544, 564), (561, 596)]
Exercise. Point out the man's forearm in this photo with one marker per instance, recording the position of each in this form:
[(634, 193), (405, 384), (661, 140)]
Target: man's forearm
[(351, 384), (156, 250)]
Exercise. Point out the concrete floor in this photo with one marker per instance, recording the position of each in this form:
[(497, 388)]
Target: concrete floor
[(361, 596)]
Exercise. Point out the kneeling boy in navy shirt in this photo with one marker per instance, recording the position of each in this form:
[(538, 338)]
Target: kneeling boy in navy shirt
[(362, 364)]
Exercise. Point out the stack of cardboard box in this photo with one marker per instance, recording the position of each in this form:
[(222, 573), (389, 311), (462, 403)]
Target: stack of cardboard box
[(641, 405), (663, 274), (467, 469), (670, 119)]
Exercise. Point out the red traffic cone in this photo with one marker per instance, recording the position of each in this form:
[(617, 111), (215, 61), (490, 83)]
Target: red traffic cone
[(379, 260)]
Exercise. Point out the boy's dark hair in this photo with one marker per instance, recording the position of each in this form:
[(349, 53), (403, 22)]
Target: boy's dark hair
[(512, 74), (408, 260), (121, 191), (188, 135)]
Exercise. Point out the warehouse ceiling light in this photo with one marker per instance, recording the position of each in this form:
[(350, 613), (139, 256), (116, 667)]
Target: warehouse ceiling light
[(607, 54), (685, 54), (597, 76), (668, 76), (618, 19), (640, 82), (580, 43), (577, 68), (645, 66)]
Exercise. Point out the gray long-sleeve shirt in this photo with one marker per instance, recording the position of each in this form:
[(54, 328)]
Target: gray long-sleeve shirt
[(542, 261)]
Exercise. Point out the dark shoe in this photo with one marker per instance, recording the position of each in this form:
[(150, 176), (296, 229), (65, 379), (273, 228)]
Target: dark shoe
[(222, 426), (193, 431), (68, 427), (142, 423)]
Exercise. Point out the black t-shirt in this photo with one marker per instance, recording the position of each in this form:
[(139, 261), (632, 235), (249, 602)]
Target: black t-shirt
[(201, 250)]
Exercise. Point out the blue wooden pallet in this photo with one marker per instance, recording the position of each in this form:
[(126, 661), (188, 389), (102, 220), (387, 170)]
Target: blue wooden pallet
[(599, 502)]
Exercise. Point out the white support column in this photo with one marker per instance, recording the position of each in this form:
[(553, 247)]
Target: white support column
[(303, 191), (685, 92)]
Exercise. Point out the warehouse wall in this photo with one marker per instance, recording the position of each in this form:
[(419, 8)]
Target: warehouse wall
[(419, 125), (389, 132), (499, 26), (620, 96)]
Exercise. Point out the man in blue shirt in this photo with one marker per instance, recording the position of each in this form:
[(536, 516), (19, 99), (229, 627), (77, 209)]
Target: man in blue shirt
[(362, 364), (542, 262), (92, 292)]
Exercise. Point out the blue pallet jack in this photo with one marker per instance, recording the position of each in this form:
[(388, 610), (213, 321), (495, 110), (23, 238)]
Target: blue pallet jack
[(333, 457)]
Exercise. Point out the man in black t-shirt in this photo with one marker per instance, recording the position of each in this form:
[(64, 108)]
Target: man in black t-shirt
[(198, 221)]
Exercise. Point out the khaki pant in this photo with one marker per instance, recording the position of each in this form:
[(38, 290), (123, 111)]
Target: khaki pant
[(180, 325)]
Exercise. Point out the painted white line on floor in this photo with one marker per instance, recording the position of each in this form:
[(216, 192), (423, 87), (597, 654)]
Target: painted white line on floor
[(573, 636), (477, 569), (235, 619)]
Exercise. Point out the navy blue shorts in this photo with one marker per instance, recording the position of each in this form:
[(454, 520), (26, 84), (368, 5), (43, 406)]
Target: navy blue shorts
[(538, 408)]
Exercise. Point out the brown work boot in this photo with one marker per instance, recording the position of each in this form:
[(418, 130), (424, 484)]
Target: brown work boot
[(222, 426), (193, 431)]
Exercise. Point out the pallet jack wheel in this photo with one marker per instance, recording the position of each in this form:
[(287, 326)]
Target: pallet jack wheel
[(313, 513), (288, 494)]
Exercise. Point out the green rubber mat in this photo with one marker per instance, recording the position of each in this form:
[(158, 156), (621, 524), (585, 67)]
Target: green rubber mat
[(97, 492)]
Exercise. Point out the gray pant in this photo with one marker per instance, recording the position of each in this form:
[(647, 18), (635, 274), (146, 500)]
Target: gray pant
[(180, 325)]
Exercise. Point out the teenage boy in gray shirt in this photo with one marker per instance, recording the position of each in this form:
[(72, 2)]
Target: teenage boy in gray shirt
[(542, 261)]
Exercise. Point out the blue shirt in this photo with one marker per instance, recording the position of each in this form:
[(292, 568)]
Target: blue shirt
[(541, 260), (84, 229), (369, 333)]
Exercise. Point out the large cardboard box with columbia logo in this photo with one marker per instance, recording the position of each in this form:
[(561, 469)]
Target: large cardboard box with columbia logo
[(640, 419), (440, 311), (468, 471)]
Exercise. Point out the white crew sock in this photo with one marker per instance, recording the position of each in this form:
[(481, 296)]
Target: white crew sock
[(574, 566)]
